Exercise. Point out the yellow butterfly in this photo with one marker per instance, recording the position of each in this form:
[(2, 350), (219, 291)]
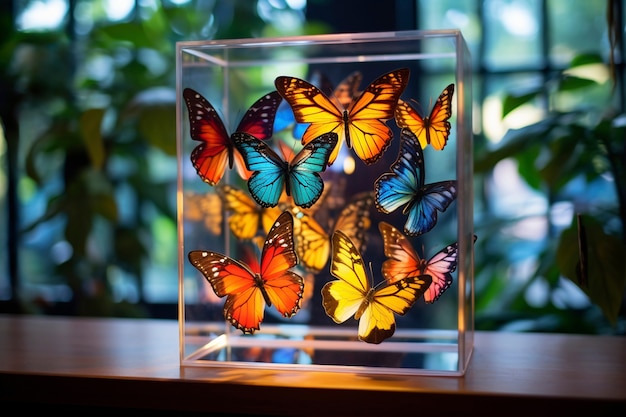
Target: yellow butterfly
[(433, 129), (362, 124), (206, 208), (312, 240), (353, 295), (247, 217)]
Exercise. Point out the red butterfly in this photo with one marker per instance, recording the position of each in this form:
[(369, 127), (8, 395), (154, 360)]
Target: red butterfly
[(249, 287), (403, 261), (217, 149)]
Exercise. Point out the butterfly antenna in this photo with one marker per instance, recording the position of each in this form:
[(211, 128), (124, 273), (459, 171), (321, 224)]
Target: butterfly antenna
[(371, 273)]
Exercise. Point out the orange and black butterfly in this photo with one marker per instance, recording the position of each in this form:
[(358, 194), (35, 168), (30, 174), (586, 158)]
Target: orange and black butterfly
[(249, 287), (433, 129), (403, 262), (216, 149), (362, 124)]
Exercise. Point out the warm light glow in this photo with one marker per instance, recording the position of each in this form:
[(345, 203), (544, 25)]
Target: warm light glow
[(349, 165)]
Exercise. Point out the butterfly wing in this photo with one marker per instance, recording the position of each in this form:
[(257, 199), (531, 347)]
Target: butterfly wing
[(354, 220), (258, 121), (440, 267), (368, 134), (377, 322), (212, 155), (351, 295), (244, 306), (402, 260), (246, 217), (206, 208), (312, 241), (347, 90), (269, 171), (434, 129), (344, 297), (310, 105), (404, 186), (305, 184), (283, 287)]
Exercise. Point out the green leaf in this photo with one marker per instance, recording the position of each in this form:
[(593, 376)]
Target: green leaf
[(90, 124), (158, 125), (128, 32), (585, 59), (569, 82), (155, 109), (605, 266), (512, 102)]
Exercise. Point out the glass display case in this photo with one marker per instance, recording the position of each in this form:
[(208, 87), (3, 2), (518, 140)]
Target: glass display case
[(342, 164)]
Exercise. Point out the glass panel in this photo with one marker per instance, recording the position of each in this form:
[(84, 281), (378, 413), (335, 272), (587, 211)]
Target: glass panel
[(512, 31), (453, 14)]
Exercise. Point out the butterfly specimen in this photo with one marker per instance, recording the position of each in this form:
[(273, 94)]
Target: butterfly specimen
[(362, 124), (299, 177), (343, 94), (433, 129), (216, 149), (403, 261), (405, 186), (249, 287), (353, 295), (206, 208), (312, 240), (246, 217)]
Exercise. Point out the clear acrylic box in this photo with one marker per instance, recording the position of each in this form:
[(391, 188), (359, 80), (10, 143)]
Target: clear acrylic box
[(430, 339)]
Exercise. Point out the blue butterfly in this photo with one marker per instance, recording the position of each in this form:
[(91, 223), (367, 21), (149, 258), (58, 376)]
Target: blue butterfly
[(404, 185), (271, 174)]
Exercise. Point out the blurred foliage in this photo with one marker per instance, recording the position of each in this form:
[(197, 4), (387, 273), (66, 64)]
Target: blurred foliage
[(79, 104), (582, 144)]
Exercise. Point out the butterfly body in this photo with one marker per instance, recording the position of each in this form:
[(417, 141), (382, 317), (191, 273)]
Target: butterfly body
[(405, 187), (299, 178), (249, 287), (216, 150), (433, 129), (362, 125), (353, 295)]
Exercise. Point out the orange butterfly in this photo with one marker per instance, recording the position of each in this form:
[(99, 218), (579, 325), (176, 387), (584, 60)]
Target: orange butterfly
[(362, 124), (206, 208), (403, 261), (313, 242), (216, 149), (247, 217), (433, 129), (249, 287)]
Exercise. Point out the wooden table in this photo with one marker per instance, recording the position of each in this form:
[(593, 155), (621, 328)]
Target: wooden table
[(88, 366)]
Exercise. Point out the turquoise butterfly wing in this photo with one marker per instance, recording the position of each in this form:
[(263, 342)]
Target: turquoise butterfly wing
[(271, 174)]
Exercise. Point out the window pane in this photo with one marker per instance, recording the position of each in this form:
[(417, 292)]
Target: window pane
[(453, 14), (512, 34), (40, 14), (576, 26)]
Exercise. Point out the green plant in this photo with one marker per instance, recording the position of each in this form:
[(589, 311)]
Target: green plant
[(88, 113), (577, 145)]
